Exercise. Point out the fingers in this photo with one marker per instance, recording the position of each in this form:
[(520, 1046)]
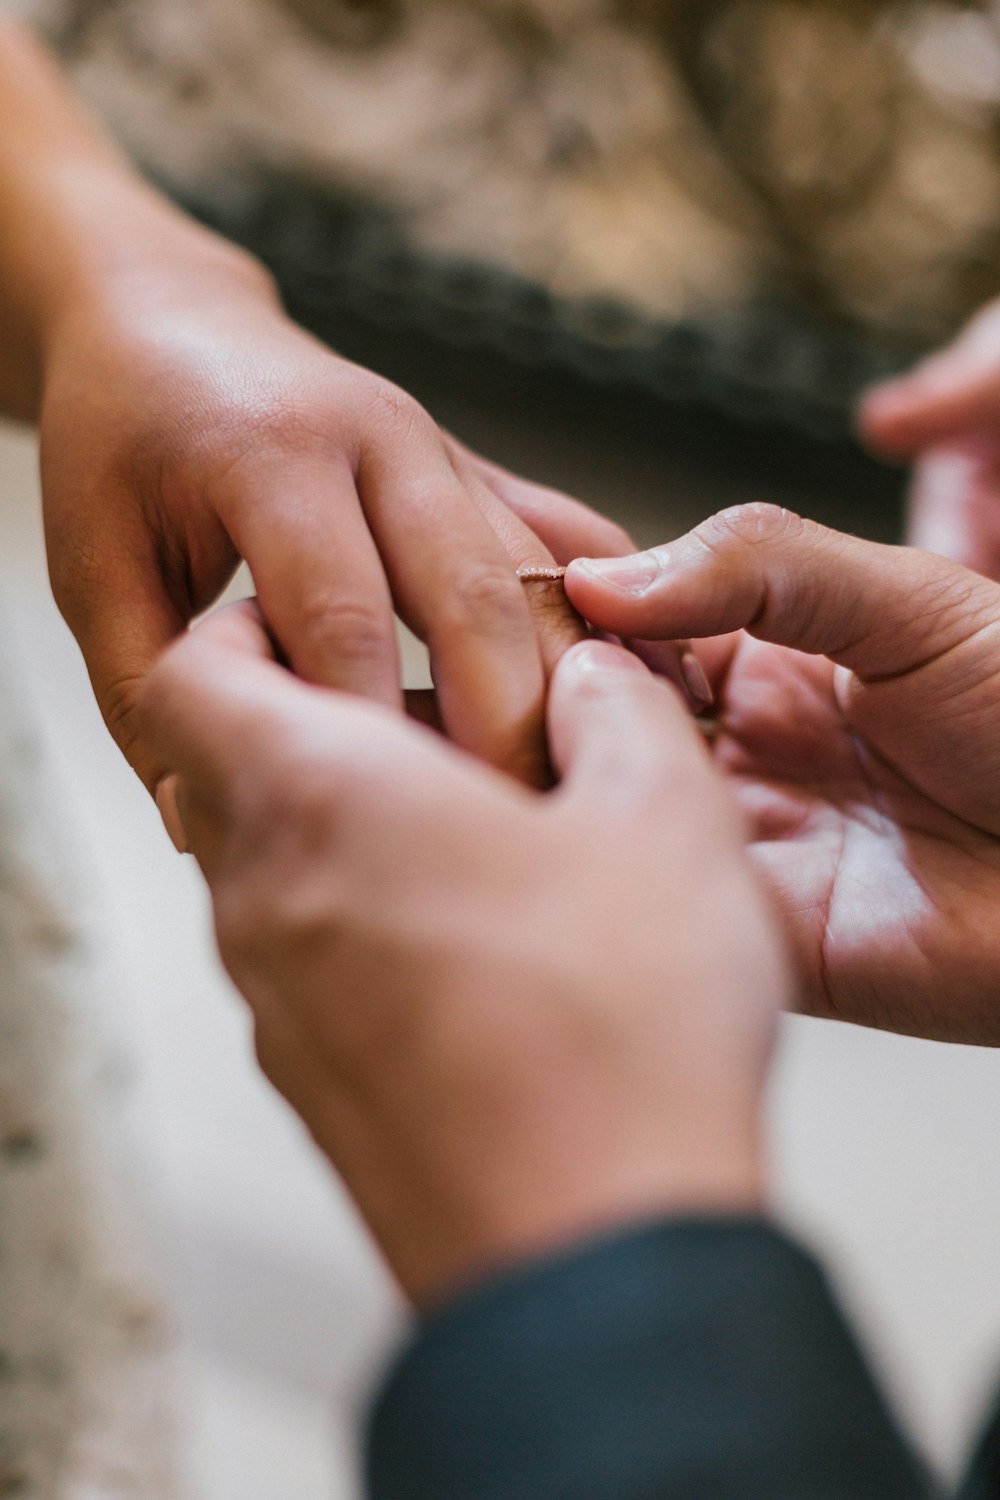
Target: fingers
[(318, 575), (565, 526), (451, 553), (953, 393), (557, 624), (569, 529), (878, 610), (954, 508), (621, 738), (253, 755), (239, 737)]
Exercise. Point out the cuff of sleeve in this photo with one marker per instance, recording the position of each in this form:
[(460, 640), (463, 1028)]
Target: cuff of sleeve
[(685, 1359)]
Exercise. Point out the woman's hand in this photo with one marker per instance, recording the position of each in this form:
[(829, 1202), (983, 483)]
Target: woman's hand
[(945, 416), (509, 1018), (859, 723), (186, 423)]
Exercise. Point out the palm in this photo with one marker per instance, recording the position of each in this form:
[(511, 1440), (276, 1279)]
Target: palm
[(887, 887)]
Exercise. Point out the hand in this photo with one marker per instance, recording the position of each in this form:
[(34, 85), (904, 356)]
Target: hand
[(509, 1018), (187, 423), (946, 416), (859, 722)]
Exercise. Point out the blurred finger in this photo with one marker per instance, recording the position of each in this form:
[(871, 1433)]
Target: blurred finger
[(202, 820), (621, 736), (678, 663), (167, 807), (950, 395), (955, 507), (211, 706)]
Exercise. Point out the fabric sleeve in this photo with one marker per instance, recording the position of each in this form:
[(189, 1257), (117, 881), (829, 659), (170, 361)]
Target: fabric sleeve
[(695, 1360)]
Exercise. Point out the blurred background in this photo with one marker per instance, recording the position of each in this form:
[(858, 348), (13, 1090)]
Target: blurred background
[(649, 251)]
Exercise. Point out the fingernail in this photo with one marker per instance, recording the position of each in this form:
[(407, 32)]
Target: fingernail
[(166, 802), (634, 575), (601, 656), (696, 682)]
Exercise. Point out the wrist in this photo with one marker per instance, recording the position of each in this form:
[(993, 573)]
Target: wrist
[(126, 250), (79, 228), (529, 1205)]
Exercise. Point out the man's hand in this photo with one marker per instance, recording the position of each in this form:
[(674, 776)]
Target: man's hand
[(859, 722), (509, 1018), (945, 415)]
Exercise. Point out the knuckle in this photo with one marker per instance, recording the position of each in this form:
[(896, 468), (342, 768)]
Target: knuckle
[(354, 629), (388, 406), (241, 928), (939, 592), (271, 426), (275, 420), (120, 702), (298, 813), (302, 917), (755, 524), (269, 927), (486, 599), (276, 428)]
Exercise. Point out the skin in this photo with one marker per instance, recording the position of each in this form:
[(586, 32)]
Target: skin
[(945, 417), (186, 423), (859, 724), (509, 1018)]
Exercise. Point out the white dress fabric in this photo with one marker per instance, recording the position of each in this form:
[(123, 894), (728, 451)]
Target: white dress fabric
[(84, 1363)]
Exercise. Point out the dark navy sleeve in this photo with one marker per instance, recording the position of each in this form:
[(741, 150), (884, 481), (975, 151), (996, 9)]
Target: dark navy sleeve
[(689, 1360), (983, 1480)]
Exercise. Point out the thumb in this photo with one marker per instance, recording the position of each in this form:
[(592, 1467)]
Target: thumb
[(876, 609), (946, 397), (620, 736)]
